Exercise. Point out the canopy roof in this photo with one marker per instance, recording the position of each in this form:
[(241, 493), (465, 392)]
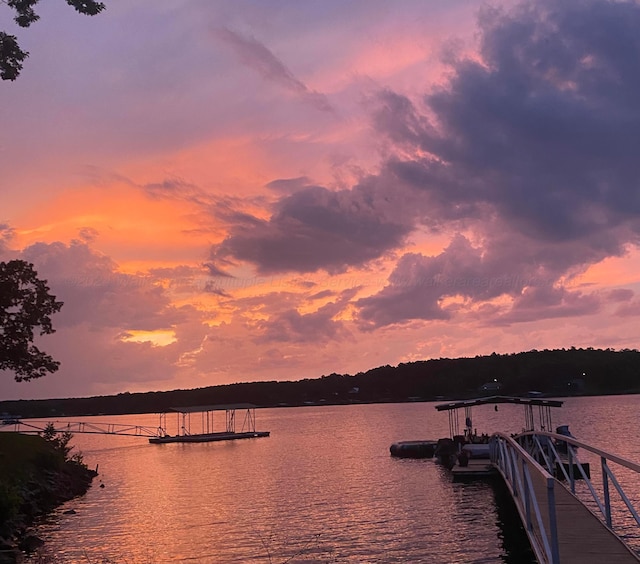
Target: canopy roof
[(217, 407), (499, 399)]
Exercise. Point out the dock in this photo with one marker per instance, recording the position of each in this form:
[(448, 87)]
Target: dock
[(206, 433), (562, 529), (476, 468), (208, 437), (186, 429), (582, 537), (540, 469)]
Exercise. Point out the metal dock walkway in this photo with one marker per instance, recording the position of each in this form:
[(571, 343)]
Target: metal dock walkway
[(561, 528), (582, 537), (159, 434)]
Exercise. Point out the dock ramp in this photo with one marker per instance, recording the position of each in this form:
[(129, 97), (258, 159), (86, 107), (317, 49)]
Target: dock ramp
[(561, 527)]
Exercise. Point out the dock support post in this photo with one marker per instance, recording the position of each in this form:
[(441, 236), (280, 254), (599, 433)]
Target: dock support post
[(553, 525), (527, 495), (512, 468), (572, 479), (605, 490), (231, 420)]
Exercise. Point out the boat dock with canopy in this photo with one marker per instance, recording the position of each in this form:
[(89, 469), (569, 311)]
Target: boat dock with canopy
[(540, 467), (532, 407), (206, 433), (465, 452)]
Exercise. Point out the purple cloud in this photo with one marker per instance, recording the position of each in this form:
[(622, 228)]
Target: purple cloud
[(512, 266), (7, 233), (96, 294), (318, 327), (258, 57), (543, 129), (619, 295), (545, 302), (314, 229), (533, 149)]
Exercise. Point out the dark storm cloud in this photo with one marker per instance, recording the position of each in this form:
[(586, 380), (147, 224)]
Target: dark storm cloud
[(531, 147), (418, 284), (535, 147), (544, 128), (506, 266), (314, 229), (257, 56), (545, 302), (321, 295), (212, 287)]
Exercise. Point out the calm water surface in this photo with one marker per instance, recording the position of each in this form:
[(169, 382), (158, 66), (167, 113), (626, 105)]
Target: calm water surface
[(321, 488)]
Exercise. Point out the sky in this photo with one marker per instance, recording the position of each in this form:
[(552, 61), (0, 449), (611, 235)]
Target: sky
[(241, 191)]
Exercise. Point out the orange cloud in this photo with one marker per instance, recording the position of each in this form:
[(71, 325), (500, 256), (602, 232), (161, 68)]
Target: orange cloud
[(137, 231)]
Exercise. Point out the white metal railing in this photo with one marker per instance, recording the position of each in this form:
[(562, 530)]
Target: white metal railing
[(516, 466), (545, 447), (37, 427)]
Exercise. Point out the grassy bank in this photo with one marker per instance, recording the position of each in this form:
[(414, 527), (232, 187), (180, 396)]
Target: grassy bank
[(36, 475)]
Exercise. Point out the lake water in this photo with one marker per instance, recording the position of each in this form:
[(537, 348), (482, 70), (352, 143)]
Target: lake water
[(321, 488)]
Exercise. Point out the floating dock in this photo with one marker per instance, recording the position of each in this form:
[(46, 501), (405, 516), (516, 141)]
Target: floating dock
[(208, 437), (563, 527), (476, 468), (206, 433), (413, 449)]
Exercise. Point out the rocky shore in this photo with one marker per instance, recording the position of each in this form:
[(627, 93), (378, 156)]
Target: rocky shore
[(36, 476)]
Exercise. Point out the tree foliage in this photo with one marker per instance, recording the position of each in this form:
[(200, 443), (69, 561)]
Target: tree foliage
[(11, 55), (59, 440), (25, 304)]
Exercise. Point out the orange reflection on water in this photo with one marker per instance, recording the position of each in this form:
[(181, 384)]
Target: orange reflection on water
[(323, 486)]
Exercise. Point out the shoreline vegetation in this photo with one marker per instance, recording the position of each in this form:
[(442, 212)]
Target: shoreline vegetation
[(37, 474), (558, 372)]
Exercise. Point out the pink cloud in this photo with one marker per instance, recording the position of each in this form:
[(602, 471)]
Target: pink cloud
[(307, 193)]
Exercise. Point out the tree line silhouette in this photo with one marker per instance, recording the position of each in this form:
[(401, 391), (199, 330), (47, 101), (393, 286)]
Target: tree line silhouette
[(558, 372)]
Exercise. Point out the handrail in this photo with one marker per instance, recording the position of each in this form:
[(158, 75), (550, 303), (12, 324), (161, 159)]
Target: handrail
[(94, 428), (573, 441), (515, 465), (548, 452)]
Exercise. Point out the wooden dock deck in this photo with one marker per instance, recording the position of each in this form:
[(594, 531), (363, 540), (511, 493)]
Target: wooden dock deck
[(476, 468), (582, 537)]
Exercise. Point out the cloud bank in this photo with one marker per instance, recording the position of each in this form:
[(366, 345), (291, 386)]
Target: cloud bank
[(529, 149), (229, 197)]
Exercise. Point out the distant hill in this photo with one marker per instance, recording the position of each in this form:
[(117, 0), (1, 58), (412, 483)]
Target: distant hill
[(560, 372)]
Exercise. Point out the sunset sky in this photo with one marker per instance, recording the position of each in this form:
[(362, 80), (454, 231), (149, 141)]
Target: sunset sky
[(255, 190)]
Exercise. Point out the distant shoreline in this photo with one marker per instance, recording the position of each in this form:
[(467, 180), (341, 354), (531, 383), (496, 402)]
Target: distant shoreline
[(548, 373)]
